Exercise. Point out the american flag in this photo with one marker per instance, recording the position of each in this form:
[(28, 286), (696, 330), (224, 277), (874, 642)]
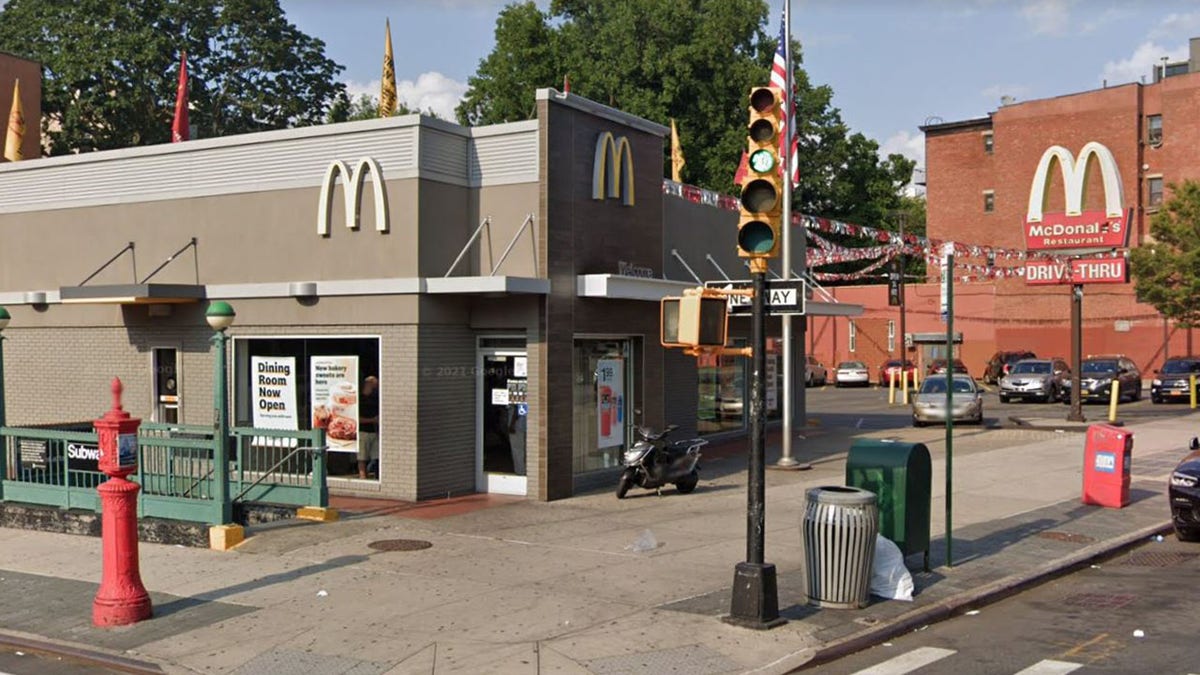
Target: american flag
[(779, 80)]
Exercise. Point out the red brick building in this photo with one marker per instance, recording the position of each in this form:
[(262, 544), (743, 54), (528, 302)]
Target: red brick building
[(980, 174)]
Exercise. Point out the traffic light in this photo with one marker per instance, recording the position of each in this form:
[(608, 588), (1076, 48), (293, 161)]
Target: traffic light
[(693, 321), (759, 226)]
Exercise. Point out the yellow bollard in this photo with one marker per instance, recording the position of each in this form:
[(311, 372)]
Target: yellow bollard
[(904, 387), (916, 383), (1115, 388), (1192, 382), (891, 387)]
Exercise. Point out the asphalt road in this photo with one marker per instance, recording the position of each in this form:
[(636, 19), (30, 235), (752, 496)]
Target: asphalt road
[(18, 662), (1133, 613)]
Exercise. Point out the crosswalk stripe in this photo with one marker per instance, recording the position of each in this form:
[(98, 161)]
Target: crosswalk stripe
[(908, 662), (1050, 667)]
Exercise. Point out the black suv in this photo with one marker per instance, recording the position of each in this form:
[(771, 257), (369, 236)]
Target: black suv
[(1096, 375), (1000, 363), (1172, 381)]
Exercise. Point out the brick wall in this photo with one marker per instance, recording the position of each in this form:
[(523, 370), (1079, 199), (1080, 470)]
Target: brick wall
[(445, 403)]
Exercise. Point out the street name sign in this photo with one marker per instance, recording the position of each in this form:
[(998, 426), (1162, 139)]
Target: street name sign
[(783, 297)]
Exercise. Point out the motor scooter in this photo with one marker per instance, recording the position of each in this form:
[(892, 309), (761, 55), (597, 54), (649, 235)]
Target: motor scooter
[(653, 462)]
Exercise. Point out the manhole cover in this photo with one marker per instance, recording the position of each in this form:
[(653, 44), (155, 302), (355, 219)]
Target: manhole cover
[(399, 545), (1070, 537), (1099, 600), (1157, 558)]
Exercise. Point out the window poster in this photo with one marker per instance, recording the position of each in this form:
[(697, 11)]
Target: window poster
[(610, 402), (334, 387), (273, 392)]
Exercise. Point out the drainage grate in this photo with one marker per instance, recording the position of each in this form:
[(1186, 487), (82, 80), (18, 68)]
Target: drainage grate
[(1099, 600), (1070, 537), (1157, 558), (399, 545)]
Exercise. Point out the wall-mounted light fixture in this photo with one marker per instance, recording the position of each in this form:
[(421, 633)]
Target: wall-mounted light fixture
[(302, 289)]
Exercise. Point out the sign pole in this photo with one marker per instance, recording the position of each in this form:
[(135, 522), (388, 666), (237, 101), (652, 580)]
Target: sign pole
[(948, 283), (755, 601), (1076, 413)]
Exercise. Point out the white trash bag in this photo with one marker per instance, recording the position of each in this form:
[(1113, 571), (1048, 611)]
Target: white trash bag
[(889, 577)]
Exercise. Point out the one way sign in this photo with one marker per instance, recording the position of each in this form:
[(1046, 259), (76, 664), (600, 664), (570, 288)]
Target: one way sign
[(783, 297)]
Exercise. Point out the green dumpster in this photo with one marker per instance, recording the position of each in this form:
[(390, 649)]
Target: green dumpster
[(900, 474)]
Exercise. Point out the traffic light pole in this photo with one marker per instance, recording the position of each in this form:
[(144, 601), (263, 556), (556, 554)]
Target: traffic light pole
[(755, 601)]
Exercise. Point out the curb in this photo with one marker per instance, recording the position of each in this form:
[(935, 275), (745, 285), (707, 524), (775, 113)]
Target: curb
[(87, 657), (984, 595)]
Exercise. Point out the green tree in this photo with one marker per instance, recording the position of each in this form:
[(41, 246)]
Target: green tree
[(365, 107), (110, 68), (692, 60), (1166, 269)]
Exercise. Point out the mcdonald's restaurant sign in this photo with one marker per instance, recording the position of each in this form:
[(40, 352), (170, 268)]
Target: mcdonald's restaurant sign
[(352, 198), (612, 169), (1077, 228)]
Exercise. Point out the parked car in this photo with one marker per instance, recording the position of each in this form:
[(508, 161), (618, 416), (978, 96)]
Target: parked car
[(814, 372), (1040, 379), (929, 404), (1171, 382), (852, 373), (1096, 375), (938, 367), (1184, 495), (895, 366), (1000, 363)]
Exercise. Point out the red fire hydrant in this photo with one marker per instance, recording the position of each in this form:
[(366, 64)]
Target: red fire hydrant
[(122, 599)]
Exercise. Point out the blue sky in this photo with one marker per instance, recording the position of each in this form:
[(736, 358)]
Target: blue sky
[(892, 65)]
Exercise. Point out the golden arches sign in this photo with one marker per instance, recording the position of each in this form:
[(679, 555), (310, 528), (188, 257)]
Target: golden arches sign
[(352, 198), (1077, 228), (612, 169)]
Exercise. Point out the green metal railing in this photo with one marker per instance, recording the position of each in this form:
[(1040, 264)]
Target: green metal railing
[(176, 470)]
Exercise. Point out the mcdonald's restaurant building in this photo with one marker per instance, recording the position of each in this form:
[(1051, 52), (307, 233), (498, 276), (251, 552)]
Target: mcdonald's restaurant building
[(500, 284)]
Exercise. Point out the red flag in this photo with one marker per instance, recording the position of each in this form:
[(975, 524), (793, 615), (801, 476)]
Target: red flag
[(179, 128), (743, 167)]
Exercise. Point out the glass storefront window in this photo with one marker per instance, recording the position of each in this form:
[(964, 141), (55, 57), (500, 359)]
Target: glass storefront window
[(603, 399), (722, 392), (296, 383)]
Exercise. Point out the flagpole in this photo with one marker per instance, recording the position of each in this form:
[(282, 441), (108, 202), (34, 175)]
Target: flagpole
[(786, 461)]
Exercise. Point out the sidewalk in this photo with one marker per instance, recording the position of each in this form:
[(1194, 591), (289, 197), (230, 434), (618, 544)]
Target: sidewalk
[(513, 586)]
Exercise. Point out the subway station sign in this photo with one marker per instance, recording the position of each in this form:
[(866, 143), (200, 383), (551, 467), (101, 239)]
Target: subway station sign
[(1077, 271), (1076, 228)]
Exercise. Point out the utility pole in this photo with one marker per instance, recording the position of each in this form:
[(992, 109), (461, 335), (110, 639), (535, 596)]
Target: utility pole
[(1076, 413)]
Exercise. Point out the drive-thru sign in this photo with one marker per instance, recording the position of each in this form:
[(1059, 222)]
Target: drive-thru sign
[(783, 297)]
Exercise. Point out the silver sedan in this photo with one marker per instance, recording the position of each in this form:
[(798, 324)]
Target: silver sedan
[(929, 404)]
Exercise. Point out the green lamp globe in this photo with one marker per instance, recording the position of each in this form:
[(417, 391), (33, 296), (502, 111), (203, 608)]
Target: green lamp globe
[(220, 315)]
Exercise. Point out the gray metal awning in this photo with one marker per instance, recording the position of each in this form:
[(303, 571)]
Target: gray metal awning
[(132, 294), (619, 287)]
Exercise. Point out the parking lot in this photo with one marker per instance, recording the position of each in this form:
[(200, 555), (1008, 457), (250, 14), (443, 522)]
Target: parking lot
[(868, 408)]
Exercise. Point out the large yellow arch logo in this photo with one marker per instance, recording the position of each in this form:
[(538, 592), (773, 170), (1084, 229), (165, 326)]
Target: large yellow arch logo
[(1077, 228), (612, 169), (352, 197)]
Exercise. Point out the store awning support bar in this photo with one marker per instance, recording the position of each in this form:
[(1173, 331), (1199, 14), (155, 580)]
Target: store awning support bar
[(470, 241), (132, 254), (191, 244), (503, 256), (675, 252), (710, 259)]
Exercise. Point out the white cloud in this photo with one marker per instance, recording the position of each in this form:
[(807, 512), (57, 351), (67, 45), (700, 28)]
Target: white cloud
[(1176, 26), (1141, 63), (431, 91), (907, 143), (1047, 17)]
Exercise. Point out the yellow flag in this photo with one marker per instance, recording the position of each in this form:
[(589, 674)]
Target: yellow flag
[(387, 88), (16, 127), (677, 161)]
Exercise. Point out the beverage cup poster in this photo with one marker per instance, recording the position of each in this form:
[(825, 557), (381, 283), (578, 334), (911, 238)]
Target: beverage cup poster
[(273, 392), (610, 402), (335, 400)]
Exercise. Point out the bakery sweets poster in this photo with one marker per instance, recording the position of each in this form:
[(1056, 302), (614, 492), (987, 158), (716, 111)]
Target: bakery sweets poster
[(335, 400)]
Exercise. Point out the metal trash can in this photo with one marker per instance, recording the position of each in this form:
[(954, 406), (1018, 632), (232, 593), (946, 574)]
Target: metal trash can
[(839, 528)]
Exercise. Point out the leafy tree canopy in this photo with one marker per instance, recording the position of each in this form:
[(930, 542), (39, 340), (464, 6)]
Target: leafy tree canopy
[(364, 107), (1166, 269), (111, 67), (694, 61)]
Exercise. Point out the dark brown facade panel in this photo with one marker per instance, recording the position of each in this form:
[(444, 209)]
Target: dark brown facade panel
[(444, 400)]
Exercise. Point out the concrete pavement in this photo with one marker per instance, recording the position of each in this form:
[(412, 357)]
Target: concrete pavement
[(513, 586)]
